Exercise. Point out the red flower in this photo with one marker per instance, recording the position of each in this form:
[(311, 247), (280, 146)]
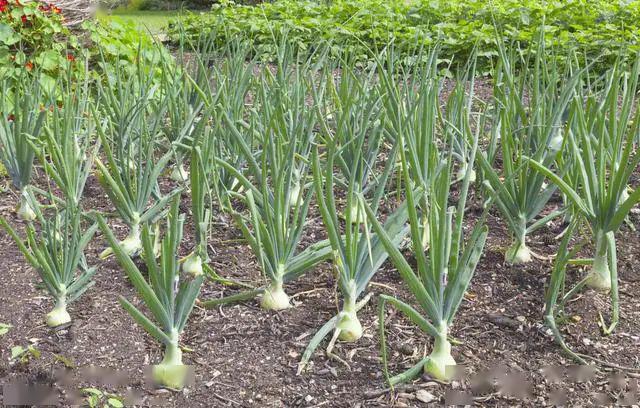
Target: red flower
[(45, 7), (24, 19), (29, 65), (11, 117), (4, 6), (70, 57)]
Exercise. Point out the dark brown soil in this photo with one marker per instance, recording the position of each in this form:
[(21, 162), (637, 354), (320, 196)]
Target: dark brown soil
[(244, 356)]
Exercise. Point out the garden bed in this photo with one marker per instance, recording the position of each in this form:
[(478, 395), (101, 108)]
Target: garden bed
[(244, 356), (251, 137)]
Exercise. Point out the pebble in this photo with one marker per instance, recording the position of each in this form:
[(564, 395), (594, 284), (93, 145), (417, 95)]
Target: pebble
[(424, 396), (405, 349)]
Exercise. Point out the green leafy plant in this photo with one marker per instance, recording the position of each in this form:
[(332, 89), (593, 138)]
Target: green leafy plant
[(276, 195), (21, 119), (98, 398), (129, 141), (4, 328), (24, 355), (33, 40), (461, 28), (604, 155), (528, 127), (443, 271), (57, 254), (121, 46), (357, 254), (68, 147), (168, 296)]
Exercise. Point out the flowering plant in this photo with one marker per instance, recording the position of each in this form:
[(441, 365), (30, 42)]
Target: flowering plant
[(33, 37)]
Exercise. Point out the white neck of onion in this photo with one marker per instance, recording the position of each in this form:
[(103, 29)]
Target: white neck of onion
[(179, 173), (171, 373), (59, 315), (193, 264), (348, 322), (426, 234), (131, 245), (357, 212), (294, 193), (274, 296), (462, 172), (518, 252), (555, 144), (25, 211), (157, 242), (441, 364), (600, 276)]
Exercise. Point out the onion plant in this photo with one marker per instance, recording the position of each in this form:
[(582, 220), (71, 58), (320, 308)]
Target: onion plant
[(225, 79), (350, 113), (202, 172), (183, 105), (21, 119), (601, 139), (125, 100), (68, 147), (459, 102), (555, 297), (168, 296), (411, 109), (273, 230), (527, 118), (358, 253), (56, 251), (130, 174), (443, 271), (275, 193)]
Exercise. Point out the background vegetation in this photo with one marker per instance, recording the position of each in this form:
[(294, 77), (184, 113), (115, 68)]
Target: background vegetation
[(595, 27)]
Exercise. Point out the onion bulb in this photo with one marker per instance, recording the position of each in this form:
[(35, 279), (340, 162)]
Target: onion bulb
[(349, 325), (25, 211), (441, 364), (462, 173), (274, 297), (58, 315), (192, 265), (518, 253), (179, 173), (131, 245), (171, 373)]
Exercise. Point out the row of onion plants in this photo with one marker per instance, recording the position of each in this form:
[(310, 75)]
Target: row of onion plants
[(388, 166)]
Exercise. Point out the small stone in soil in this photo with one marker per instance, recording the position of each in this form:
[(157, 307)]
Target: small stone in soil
[(424, 396)]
